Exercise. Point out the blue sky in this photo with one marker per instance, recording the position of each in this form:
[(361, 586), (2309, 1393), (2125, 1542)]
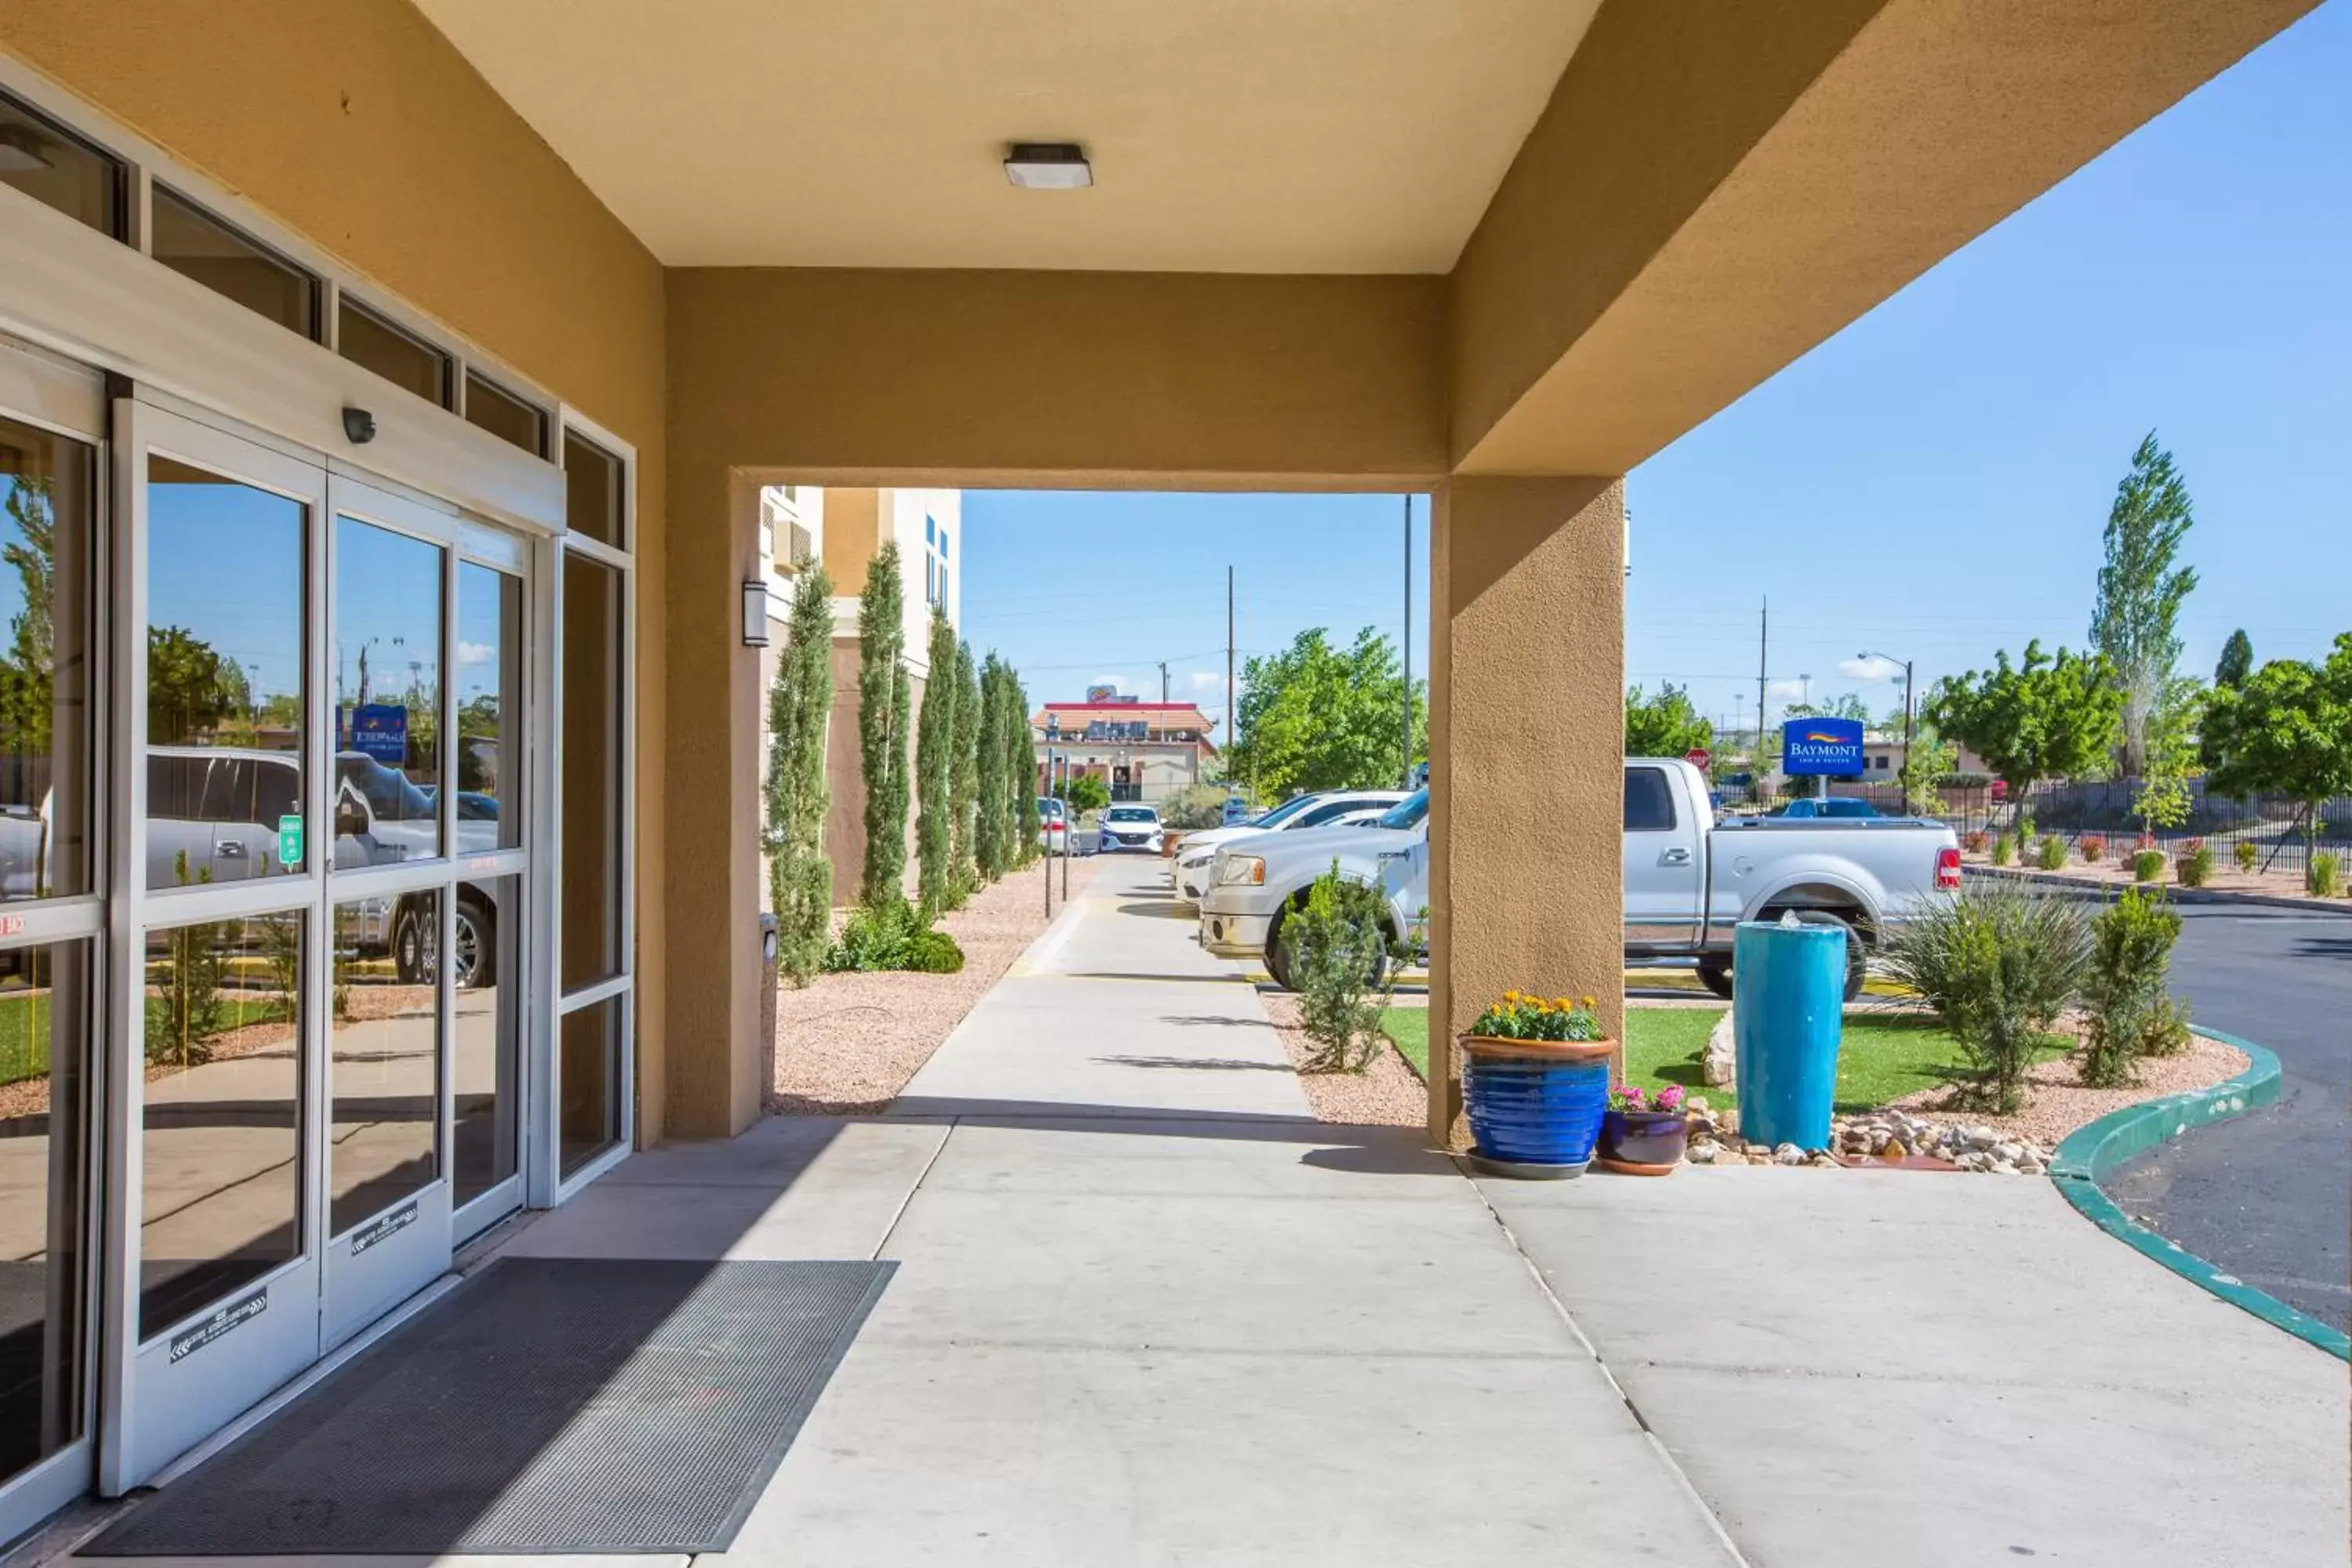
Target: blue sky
[(1931, 483)]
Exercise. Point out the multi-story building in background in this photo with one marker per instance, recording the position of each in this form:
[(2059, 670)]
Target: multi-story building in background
[(845, 530)]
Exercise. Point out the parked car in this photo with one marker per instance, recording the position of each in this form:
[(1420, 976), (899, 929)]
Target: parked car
[(1688, 881), (1132, 828), (1324, 808), (1816, 809), (1053, 826)]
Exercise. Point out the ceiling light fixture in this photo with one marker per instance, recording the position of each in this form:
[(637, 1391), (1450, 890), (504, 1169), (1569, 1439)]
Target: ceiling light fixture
[(1048, 166)]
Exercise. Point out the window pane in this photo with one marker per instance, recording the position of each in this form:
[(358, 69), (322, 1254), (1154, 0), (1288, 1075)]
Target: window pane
[(383, 1070), (365, 339), (44, 1056), (591, 490), (45, 663), (225, 686), (490, 697), (1649, 808), (198, 245), (221, 1161), (387, 696), (592, 771), (590, 1073), (59, 169), (505, 416), (489, 1035)]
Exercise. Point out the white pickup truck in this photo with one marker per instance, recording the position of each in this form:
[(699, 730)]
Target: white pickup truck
[(1688, 881)]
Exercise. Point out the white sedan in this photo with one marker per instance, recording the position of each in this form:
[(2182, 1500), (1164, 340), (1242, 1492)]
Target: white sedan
[(1327, 808), (1132, 828)]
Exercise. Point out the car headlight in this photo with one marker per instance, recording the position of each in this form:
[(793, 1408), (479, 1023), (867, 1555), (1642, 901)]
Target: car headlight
[(1240, 868)]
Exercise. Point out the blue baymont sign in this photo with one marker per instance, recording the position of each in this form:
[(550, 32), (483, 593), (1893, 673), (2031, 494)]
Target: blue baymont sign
[(1830, 746)]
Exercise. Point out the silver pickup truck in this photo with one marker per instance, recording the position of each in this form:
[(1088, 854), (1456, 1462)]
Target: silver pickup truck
[(1688, 881)]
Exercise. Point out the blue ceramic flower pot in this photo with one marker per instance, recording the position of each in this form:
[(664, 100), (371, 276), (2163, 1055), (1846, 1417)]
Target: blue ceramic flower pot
[(1534, 1104)]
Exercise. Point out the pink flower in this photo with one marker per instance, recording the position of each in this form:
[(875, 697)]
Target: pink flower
[(1671, 1097)]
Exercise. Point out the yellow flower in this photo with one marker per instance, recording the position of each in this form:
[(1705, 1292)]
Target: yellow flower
[(1559, 1004), (1510, 996), (1588, 1000)]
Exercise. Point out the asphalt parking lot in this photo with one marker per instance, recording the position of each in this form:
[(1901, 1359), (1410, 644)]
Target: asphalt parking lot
[(2267, 1197)]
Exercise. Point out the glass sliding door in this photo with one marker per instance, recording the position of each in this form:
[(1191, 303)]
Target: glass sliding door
[(215, 1227), (51, 922)]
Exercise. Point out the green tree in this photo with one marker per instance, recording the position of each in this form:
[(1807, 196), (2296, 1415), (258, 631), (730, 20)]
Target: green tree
[(1665, 725), (963, 778), (883, 699), (991, 818), (190, 688), (1316, 717), (2237, 661), (1020, 771), (2288, 731), (800, 872), (2043, 718), (27, 671), (935, 729), (1846, 705), (1087, 793), (2134, 622), (2161, 798), (1927, 763)]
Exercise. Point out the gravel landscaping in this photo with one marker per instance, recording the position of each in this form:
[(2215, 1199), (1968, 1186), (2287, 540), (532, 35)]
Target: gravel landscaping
[(848, 1043), (1387, 1093)]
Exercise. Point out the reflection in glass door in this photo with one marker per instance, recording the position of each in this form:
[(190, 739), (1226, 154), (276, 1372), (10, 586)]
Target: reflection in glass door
[(486, 967), (214, 1231), (50, 921)]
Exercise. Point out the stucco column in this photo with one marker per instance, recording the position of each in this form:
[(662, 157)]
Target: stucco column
[(1527, 753), (710, 880)]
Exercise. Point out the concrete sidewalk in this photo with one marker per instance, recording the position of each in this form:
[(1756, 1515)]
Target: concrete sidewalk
[(1149, 1311)]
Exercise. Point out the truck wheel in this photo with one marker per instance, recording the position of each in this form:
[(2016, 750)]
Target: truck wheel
[(1716, 977), (411, 946), (1277, 962), (477, 957)]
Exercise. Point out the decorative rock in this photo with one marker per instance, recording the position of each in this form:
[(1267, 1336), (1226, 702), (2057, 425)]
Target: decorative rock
[(1759, 1159), (1728, 1118), (1719, 1067), (1697, 1105), (2030, 1166), (1700, 1153), (2009, 1151), (2003, 1168), (1892, 1149), (1824, 1162), (1788, 1154)]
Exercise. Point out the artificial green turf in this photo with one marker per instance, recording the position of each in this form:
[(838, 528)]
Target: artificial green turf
[(24, 1036), (1879, 1058), (1408, 1028)]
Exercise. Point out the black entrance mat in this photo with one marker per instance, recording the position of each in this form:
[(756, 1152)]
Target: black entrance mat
[(549, 1404)]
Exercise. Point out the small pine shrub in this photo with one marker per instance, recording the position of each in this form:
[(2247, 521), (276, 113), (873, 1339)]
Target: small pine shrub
[(1339, 961), (1999, 962), (2094, 846), (2051, 855), (2148, 865), (2246, 855), (2025, 826), (2321, 880), (2195, 868), (2003, 850), (2123, 988), (889, 934)]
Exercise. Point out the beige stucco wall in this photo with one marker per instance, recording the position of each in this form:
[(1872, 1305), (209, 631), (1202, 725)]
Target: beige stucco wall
[(1526, 748), (369, 135), (851, 536)]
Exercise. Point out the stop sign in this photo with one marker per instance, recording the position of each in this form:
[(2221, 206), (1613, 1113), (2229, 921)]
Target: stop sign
[(1698, 756)]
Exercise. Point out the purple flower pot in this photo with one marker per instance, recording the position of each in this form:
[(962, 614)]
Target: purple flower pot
[(1643, 1142)]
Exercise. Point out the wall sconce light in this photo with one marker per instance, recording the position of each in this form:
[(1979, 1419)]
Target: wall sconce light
[(358, 426), (755, 614)]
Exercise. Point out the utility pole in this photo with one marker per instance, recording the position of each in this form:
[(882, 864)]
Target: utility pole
[(1763, 644), (1408, 639), (1163, 683), (1233, 723)]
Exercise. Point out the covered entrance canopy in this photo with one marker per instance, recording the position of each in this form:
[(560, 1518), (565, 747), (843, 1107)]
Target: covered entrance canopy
[(1501, 253)]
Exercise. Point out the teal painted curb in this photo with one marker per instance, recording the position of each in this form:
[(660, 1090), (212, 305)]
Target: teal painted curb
[(2090, 1153)]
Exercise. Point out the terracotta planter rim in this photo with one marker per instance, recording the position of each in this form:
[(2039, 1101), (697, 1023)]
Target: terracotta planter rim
[(1535, 1050)]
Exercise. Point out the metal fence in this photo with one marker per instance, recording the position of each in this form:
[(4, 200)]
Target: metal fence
[(2285, 834)]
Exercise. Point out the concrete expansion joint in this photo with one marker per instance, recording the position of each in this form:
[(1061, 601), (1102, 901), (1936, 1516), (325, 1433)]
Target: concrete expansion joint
[(1665, 1455)]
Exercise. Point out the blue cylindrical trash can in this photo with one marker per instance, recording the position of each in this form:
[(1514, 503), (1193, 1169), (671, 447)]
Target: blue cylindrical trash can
[(1788, 977)]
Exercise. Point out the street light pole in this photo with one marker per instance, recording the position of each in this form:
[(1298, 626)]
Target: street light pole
[(1909, 724)]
